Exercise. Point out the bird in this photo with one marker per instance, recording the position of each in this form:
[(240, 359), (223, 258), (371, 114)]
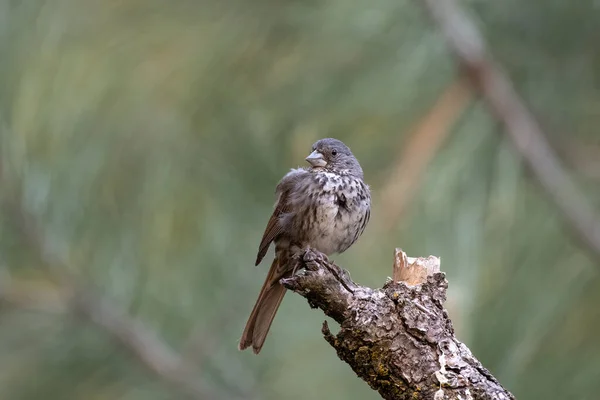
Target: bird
[(326, 207)]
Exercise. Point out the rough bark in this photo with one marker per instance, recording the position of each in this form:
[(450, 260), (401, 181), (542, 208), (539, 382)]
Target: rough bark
[(399, 338)]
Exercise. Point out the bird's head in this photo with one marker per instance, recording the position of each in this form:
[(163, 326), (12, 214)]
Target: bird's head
[(333, 155)]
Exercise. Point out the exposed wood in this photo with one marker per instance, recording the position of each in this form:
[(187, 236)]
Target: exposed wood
[(413, 271)]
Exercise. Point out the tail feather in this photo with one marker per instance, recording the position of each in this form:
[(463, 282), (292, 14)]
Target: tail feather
[(264, 310)]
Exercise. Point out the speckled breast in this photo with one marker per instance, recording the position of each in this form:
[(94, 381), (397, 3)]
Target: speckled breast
[(341, 212)]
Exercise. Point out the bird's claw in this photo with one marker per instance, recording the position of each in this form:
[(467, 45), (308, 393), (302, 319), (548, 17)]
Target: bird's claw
[(312, 259), (311, 254), (296, 265)]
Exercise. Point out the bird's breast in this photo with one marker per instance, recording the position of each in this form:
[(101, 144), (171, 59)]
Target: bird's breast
[(338, 212)]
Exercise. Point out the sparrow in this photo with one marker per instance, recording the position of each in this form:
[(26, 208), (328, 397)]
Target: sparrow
[(326, 207)]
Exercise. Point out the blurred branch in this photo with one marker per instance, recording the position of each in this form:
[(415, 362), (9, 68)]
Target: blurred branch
[(423, 144), (205, 337), (141, 342), (465, 40), (81, 299), (398, 339), (583, 157), (31, 296), (134, 337)]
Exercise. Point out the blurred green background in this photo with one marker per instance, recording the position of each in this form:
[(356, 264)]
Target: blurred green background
[(145, 138)]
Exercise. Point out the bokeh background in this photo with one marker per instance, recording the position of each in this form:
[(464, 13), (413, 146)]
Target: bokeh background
[(143, 141)]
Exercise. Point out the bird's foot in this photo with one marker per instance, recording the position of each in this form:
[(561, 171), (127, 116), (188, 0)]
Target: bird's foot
[(312, 258), (297, 265), (311, 254)]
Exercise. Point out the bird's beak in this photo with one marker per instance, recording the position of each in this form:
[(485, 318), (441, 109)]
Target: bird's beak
[(316, 159)]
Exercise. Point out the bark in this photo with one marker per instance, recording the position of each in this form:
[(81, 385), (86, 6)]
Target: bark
[(399, 338)]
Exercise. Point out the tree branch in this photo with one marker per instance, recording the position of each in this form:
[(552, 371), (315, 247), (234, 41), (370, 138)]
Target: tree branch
[(528, 138), (132, 335), (81, 299), (142, 343), (398, 339)]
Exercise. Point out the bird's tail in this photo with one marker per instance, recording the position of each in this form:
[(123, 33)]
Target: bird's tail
[(264, 310)]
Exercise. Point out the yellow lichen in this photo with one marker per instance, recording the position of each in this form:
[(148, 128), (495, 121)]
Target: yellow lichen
[(382, 370)]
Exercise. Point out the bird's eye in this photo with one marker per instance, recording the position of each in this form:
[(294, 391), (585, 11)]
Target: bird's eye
[(334, 152)]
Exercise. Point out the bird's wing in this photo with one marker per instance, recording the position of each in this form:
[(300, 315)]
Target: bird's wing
[(274, 227)]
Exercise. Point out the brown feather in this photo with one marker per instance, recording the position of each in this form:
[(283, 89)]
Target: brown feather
[(265, 308), (273, 229)]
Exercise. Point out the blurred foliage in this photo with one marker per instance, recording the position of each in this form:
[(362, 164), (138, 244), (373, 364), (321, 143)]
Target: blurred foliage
[(146, 138)]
